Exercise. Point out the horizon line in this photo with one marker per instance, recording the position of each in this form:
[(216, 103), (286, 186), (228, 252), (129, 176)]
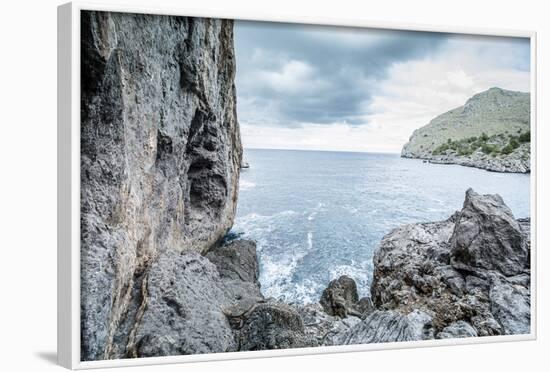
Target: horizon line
[(318, 150)]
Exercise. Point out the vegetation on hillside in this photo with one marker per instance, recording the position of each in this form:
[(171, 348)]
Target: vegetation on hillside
[(490, 145)]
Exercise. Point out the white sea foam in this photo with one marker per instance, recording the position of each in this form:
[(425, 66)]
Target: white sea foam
[(358, 271), (246, 185)]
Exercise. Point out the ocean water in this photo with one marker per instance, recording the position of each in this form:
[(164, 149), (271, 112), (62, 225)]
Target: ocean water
[(317, 215)]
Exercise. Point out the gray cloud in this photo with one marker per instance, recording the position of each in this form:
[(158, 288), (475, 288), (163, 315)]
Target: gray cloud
[(292, 74)]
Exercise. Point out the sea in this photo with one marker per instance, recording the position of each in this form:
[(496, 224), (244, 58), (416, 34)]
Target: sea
[(316, 215)]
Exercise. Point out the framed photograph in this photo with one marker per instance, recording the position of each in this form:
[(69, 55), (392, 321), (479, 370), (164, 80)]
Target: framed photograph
[(236, 186)]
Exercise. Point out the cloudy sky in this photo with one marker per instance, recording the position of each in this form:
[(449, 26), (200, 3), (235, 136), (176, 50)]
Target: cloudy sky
[(349, 89)]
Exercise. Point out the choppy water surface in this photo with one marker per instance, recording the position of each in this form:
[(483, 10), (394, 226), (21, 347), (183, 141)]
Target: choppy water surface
[(317, 215)]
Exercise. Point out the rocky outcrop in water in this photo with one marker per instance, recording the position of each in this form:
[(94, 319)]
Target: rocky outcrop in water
[(470, 273), (340, 298), (160, 161), (491, 131)]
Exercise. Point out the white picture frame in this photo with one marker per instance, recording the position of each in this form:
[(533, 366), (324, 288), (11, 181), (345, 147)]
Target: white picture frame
[(68, 136)]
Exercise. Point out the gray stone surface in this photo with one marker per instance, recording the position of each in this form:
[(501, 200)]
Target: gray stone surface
[(273, 325), (487, 236), (458, 329), (379, 326), (511, 306), (471, 268), (160, 157), (340, 297), (182, 309), (324, 329)]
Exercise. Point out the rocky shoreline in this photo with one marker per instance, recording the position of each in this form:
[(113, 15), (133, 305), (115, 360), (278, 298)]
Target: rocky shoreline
[(466, 276), (161, 156), (491, 131), (516, 162)]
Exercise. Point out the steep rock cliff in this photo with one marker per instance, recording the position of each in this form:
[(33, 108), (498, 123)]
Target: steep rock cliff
[(160, 159)]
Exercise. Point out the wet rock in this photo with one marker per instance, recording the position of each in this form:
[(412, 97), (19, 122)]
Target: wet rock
[(340, 297)]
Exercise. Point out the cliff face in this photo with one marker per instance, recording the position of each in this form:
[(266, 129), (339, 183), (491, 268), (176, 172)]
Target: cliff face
[(491, 131), (160, 160)]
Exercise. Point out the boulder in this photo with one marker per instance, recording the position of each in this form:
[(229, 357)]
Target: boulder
[(511, 307), (273, 325), (236, 261), (322, 328), (379, 326), (486, 236), (471, 269), (182, 309), (340, 297), (458, 329)]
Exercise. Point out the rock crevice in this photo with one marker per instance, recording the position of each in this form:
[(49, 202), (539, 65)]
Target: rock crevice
[(160, 160)]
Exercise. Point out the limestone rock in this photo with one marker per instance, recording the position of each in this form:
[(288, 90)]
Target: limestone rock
[(236, 260), (487, 236), (458, 329), (160, 157), (470, 271), (379, 326), (322, 328), (273, 325), (182, 309), (511, 306), (340, 297)]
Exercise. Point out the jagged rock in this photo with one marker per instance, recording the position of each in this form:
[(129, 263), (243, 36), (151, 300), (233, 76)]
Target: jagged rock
[(495, 114), (459, 270), (182, 311), (511, 306), (236, 261), (487, 236), (379, 326), (160, 157), (364, 306), (238, 267), (273, 326), (421, 325), (340, 297), (458, 329), (411, 264), (323, 328)]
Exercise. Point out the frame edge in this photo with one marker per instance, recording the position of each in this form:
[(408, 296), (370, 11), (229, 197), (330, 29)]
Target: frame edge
[(64, 188)]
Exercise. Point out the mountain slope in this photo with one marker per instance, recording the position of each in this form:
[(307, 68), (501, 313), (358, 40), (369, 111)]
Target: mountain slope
[(491, 131)]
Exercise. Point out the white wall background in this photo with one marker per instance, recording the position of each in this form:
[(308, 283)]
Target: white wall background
[(28, 183)]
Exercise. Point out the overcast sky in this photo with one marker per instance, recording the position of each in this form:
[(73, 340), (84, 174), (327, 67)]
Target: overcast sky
[(349, 89)]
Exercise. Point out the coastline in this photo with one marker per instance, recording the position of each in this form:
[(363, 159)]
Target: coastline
[(480, 161), (425, 287)]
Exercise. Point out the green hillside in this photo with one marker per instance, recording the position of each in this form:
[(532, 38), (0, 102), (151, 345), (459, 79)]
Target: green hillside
[(492, 117)]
